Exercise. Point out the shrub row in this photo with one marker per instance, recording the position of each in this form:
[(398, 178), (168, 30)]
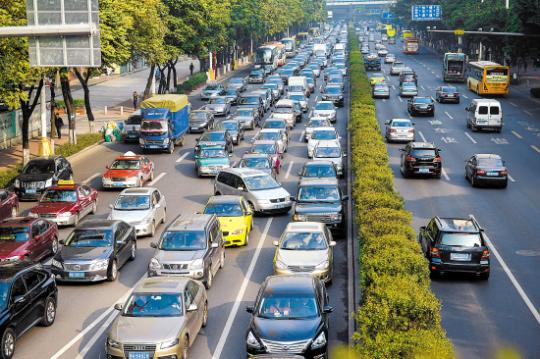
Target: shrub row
[(191, 83), (77, 102), (399, 316)]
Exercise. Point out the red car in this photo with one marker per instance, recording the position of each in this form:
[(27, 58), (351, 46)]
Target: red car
[(128, 170), (27, 238), (66, 204), (9, 204)]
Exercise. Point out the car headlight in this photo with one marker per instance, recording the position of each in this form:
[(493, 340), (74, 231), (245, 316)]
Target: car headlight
[(252, 341), (48, 183), (299, 217), (57, 264), (106, 180), (14, 258), (197, 264), (319, 342), (166, 141), (111, 343), (169, 343), (238, 231), (33, 215), (17, 183), (323, 265), (263, 201), (100, 265), (154, 264), (65, 214)]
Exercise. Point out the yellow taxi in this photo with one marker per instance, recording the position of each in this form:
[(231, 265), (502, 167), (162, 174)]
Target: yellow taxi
[(235, 218), (376, 78)]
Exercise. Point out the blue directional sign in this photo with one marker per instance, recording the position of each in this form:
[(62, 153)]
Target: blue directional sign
[(426, 12)]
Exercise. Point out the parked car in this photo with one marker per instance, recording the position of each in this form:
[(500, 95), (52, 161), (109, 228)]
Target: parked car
[(9, 204), (300, 98), (408, 89), (235, 218), (447, 94), (174, 308), (318, 169), (212, 159), (421, 105), (231, 96), (256, 76), (455, 245), (396, 68), (191, 246), (399, 129), (270, 148), (421, 158), (211, 90), (333, 93), (318, 134), (29, 297), (486, 169), (273, 134), (66, 204), (39, 174), (27, 238), (252, 100), (284, 109), (128, 170), (237, 83), (200, 120), (143, 208), (95, 251), (274, 88), (315, 122), (260, 162)]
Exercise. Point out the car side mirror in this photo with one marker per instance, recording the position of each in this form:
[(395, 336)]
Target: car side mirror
[(292, 198), (332, 243), (386, 122), (19, 299), (153, 245), (192, 308), (275, 243), (62, 242), (119, 306), (215, 244), (250, 309), (240, 188), (328, 309)]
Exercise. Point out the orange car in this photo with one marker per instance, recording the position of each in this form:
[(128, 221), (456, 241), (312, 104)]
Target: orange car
[(128, 170)]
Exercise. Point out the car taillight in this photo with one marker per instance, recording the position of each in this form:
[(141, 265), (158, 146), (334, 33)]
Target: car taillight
[(410, 158), (393, 130), (485, 255), (437, 159), (435, 252), (480, 172), (503, 172)]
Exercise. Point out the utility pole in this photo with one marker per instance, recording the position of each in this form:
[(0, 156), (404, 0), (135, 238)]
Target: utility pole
[(45, 146)]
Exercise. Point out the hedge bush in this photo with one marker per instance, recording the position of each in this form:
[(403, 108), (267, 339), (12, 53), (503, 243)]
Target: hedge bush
[(191, 83), (77, 102), (399, 316)]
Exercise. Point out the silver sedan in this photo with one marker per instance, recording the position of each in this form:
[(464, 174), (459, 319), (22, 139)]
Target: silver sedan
[(399, 130)]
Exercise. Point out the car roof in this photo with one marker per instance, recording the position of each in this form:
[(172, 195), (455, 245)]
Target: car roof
[(162, 285), (190, 222), (485, 100), (138, 191), (285, 102), (289, 284), (264, 142), (466, 225), (305, 226), (9, 269), (321, 181), (488, 156), (97, 223), (422, 145), (244, 172)]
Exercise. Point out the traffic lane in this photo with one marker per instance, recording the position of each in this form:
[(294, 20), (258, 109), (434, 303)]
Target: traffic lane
[(420, 199)]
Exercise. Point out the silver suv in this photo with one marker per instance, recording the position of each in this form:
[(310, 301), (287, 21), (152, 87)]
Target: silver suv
[(263, 193), (190, 246)]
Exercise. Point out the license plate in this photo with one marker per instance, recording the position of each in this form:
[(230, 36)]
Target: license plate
[(153, 146), (118, 184), (463, 257), (423, 170), (139, 355), (76, 274), (493, 174), (31, 190)]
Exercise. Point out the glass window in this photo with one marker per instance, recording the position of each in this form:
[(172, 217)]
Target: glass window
[(212, 153), (18, 288), (306, 241), (461, 239), (327, 152), (494, 110), (490, 162), (319, 171), (259, 163), (318, 193), (132, 203), (59, 195), (126, 165), (324, 106), (483, 110), (423, 152), (39, 167), (401, 123), (90, 238), (324, 135), (224, 209), (282, 306), (32, 279), (263, 182), (154, 305), (263, 148), (14, 234), (183, 241), (213, 136), (152, 126)]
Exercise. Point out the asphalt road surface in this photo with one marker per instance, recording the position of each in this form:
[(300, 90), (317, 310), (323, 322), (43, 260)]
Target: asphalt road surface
[(479, 316), (85, 311)]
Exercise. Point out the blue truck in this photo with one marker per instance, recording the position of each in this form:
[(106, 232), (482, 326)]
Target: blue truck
[(165, 121)]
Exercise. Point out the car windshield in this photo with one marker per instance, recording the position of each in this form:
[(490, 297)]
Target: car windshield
[(249, 100), (328, 152), (256, 73), (297, 97), (126, 165), (422, 100), (264, 148), (217, 100), (260, 163), (382, 88), (490, 162), (244, 113), (282, 109), (134, 120), (213, 136), (318, 193), (83, 238), (14, 234), (224, 209), (333, 90), (319, 171), (274, 124), (152, 126), (423, 152), (448, 89), (318, 123), (57, 195), (409, 85), (324, 106), (324, 135), (461, 239), (282, 306), (183, 241), (198, 116), (38, 167), (213, 153), (306, 241), (230, 125), (132, 203), (154, 305), (401, 123), (211, 88), (270, 86), (262, 182)]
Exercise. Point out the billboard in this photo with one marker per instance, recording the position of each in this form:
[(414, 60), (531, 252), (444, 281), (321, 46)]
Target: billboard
[(426, 13)]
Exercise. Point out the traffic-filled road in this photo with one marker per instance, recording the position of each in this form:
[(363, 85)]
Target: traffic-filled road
[(479, 316), (85, 311)]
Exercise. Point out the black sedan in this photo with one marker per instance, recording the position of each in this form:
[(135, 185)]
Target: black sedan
[(95, 251), (334, 94), (297, 302), (486, 169), (420, 105), (200, 120), (447, 94)]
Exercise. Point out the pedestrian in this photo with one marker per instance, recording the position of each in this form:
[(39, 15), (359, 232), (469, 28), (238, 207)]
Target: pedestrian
[(58, 123), (135, 99), (191, 68)]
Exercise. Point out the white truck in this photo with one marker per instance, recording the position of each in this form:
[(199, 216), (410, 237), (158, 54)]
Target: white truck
[(299, 81)]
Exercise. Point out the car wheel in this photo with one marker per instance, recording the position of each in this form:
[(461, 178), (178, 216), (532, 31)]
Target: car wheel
[(54, 246), (113, 271), (205, 315), (185, 349), (94, 207), (209, 277), (133, 251), (49, 312), (433, 274), (8, 343), (14, 212), (171, 148)]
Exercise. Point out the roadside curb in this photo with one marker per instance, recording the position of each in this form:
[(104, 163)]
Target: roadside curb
[(90, 148)]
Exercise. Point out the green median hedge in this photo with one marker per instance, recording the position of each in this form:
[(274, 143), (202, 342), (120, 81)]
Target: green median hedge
[(191, 83), (399, 316)]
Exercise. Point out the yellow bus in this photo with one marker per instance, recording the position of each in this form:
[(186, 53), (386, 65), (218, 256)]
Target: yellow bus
[(488, 78)]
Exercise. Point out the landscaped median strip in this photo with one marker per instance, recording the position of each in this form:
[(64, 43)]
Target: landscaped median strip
[(399, 316)]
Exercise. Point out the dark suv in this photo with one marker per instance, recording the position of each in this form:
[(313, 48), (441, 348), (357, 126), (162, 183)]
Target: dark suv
[(455, 245), (420, 158), (28, 297), (420, 105)]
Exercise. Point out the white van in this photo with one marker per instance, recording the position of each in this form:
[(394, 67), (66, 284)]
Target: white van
[(299, 81), (484, 114)]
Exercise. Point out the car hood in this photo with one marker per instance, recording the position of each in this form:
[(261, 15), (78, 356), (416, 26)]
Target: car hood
[(53, 207), (8, 249), (283, 115), (69, 254), (279, 192), (212, 161), (336, 160), (203, 144), (231, 223), (178, 256), (303, 258), (121, 173), (34, 177), (215, 106), (307, 207), (130, 216), (285, 330), (323, 112), (145, 330)]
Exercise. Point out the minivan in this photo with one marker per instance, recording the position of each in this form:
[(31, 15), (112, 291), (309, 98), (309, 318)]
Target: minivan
[(484, 114)]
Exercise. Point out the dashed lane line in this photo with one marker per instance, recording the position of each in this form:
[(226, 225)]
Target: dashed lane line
[(400, 99), (535, 148), (181, 158), (517, 134), (289, 170), (422, 136), (465, 96), (528, 112), (470, 138), (511, 178), (445, 175), (449, 116), (160, 176), (301, 138), (512, 103), (91, 178)]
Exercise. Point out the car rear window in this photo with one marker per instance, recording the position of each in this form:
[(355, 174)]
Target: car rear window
[(461, 239), (401, 123), (423, 152), (483, 110), (490, 162), (494, 110)]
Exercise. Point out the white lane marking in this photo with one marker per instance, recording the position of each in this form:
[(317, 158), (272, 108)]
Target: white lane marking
[(513, 104), (517, 134), (511, 178), (528, 112), (400, 99), (422, 87), (535, 148), (97, 335), (160, 176), (89, 179), (449, 116), (383, 100), (445, 175), (514, 281), (289, 170), (247, 279), (181, 158), (465, 96), (422, 136), (393, 87), (301, 136), (470, 138)]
